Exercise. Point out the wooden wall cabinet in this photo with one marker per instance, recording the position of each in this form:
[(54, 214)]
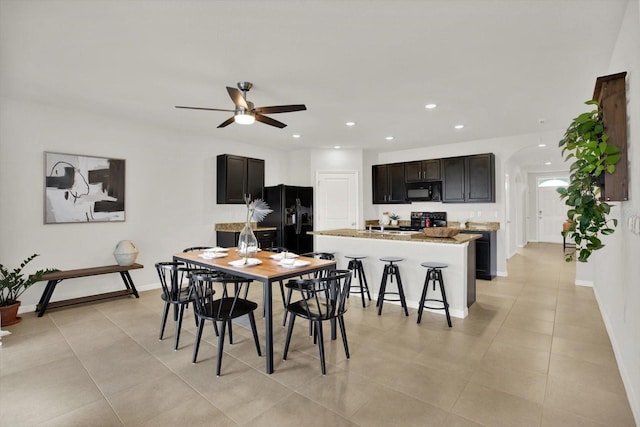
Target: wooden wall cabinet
[(422, 170), (469, 179), (610, 92), (388, 184), (238, 176)]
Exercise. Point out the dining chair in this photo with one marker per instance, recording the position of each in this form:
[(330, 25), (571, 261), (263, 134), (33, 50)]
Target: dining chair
[(175, 292), (323, 298), (319, 255), (231, 305)]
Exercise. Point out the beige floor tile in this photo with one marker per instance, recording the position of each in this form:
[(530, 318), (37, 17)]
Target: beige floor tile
[(580, 372), (193, 412), (532, 351), (151, 398), (589, 402), (33, 349), (526, 384), (391, 407), (517, 321), (95, 414), (430, 385), (552, 417), (342, 392), (512, 356), (532, 340), (588, 352), (44, 392), (295, 410), (129, 364), (495, 408)]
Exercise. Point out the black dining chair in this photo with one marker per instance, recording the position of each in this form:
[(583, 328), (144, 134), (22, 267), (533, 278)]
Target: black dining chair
[(318, 255), (223, 310), (175, 292), (323, 298)]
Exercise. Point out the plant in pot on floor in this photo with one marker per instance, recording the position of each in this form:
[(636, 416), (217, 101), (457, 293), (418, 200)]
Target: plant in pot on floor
[(13, 283)]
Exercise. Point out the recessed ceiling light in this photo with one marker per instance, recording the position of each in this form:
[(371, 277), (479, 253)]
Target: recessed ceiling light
[(296, 135), (337, 147), (547, 163), (430, 106), (542, 145), (388, 138), (458, 126), (350, 124)]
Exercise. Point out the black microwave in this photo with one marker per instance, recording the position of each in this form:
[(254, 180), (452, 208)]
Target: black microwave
[(424, 191)]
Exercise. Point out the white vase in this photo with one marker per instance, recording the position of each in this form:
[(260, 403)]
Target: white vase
[(126, 252), (394, 222)]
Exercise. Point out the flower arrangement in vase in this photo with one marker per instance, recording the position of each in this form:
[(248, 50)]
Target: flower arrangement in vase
[(257, 210)]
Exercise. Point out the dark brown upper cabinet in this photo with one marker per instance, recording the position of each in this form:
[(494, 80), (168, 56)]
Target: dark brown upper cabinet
[(388, 184), (422, 170), (469, 179), (238, 177), (610, 92)]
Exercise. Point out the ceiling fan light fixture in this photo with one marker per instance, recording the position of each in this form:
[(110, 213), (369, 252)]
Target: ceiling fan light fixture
[(244, 117)]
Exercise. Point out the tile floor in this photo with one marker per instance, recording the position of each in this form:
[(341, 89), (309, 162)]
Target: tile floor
[(532, 352)]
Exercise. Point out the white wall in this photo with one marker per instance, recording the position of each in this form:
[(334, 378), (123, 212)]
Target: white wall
[(616, 268), (170, 193)]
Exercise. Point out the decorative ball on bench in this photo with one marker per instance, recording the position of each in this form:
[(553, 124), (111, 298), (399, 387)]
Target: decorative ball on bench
[(126, 252)]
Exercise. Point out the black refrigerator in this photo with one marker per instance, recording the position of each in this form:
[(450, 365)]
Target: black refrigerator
[(292, 216)]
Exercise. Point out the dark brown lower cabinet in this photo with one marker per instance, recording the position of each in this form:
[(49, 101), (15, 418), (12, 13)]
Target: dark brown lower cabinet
[(228, 239), (486, 254)]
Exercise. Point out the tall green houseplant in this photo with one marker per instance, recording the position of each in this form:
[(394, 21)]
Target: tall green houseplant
[(585, 141)]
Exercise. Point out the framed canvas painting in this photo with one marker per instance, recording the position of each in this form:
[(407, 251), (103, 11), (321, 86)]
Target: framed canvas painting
[(83, 188)]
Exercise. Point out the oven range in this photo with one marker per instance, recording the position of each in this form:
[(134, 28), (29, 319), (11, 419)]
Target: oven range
[(420, 220)]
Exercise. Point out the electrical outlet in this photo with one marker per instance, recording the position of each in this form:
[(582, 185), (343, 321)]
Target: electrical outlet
[(630, 222), (636, 224)]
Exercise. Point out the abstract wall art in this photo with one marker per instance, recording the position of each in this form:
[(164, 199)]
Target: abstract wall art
[(83, 188)]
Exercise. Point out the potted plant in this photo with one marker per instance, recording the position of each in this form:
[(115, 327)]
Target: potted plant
[(585, 141), (394, 218), (13, 284)]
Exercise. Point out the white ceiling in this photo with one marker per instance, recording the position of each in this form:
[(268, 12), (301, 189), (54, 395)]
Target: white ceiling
[(496, 66)]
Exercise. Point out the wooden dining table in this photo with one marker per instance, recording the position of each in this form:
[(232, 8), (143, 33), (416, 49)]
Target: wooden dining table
[(268, 272)]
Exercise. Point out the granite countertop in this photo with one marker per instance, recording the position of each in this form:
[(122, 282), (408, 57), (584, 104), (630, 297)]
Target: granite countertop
[(413, 237), (470, 225), (477, 225), (237, 227)]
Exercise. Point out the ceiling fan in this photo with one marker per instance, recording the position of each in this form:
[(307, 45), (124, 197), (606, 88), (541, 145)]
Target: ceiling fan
[(245, 113)]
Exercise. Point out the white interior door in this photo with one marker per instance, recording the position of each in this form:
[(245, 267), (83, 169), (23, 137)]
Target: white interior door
[(336, 200), (552, 212)]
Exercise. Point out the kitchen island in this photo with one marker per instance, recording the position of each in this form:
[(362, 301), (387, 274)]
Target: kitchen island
[(457, 251)]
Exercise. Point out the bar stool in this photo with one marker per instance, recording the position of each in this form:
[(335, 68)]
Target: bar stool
[(390, 271), (355, 265), (434, 274)]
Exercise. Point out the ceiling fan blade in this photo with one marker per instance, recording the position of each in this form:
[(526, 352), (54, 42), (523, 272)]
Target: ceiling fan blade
[(280, 109), (226, 122), (269, 121), (202, 108), (237, 98)]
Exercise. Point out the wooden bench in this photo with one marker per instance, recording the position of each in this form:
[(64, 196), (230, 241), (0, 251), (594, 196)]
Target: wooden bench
[(58, 276)]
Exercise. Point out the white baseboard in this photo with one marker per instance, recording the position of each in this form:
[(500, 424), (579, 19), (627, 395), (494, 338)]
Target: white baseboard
[(634, 398), (587, 283)]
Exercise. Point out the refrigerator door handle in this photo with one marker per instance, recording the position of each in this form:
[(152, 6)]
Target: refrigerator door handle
[(298, 224)]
